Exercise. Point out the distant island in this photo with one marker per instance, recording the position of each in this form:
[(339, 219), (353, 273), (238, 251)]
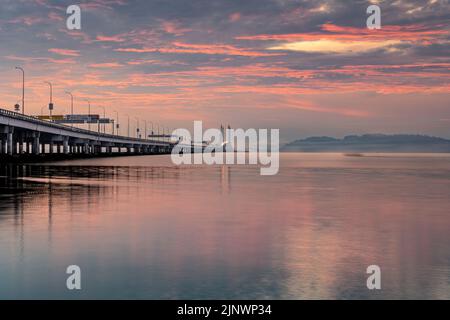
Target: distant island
[(371, 143)]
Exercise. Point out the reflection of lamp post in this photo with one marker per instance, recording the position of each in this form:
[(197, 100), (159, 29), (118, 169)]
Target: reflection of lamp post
[(71, 104), (23, 89), (50, 105)]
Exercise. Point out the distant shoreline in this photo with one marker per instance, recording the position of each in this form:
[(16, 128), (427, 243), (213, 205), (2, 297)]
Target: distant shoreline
[(371, 143)]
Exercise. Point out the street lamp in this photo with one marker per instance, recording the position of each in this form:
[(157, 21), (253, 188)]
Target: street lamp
[(152, 128), (128, 125), (169, 134), (89, 114), (104, 117), (137, 128), (23, 88), (71, 104), (117, 123), (145, 131), (50, 105)]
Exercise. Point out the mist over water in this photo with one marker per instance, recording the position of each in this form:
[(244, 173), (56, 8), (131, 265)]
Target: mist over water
[(140, 227)]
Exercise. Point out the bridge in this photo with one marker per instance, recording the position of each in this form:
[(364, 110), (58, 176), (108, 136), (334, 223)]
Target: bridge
[(27, 135)]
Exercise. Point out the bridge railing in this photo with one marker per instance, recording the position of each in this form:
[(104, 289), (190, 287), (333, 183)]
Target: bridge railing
[(37, 121)]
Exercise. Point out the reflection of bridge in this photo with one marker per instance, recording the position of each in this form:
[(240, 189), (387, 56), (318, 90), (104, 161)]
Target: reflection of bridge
[(20, 134)]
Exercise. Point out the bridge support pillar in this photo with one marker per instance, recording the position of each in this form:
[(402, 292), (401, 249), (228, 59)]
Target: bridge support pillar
[(5, 146), (66, 145), (21, 144), (9, 138), (36, 144), (51, 147)]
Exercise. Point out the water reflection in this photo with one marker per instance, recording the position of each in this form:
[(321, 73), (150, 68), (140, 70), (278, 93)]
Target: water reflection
[(159, 231)]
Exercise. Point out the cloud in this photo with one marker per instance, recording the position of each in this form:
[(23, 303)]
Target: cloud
[(415, 32), (208, 49), (65, 52), (106, 65), (101, 38), (234, 17), (27, 20), (349, 40), (174, 28), (334, 46)]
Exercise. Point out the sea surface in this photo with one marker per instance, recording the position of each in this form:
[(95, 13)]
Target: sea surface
[(142, 228)]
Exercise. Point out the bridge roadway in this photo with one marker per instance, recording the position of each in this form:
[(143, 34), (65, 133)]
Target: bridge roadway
[(21, 135)]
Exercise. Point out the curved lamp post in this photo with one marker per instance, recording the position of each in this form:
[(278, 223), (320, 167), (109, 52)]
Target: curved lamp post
[(89, 114), (23, 88), (71, 104), (50, 105)]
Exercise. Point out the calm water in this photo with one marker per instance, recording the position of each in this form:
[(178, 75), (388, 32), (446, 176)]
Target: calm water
[(141, 228)]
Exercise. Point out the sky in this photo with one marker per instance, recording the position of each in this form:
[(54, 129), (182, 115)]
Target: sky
[(306, 67)]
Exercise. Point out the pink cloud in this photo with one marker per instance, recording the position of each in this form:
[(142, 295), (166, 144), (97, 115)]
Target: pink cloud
[(174, 28), (65, 52), (210, 49), (106, 65), (101, 38), (334, 32), (234, 17), (27, 20)]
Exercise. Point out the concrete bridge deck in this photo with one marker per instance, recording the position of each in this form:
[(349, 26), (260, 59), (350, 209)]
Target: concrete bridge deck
[(27, 135)]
